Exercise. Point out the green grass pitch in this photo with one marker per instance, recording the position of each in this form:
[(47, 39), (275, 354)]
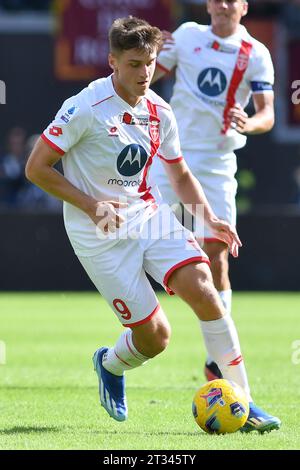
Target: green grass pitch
[(49, 391)]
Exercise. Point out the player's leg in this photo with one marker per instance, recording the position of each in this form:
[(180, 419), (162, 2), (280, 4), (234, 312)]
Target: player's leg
[(120, 278), (138, 343), (194, 284), (182, 267), (216, 172), (217, 252), (134, 347), (178, 260)]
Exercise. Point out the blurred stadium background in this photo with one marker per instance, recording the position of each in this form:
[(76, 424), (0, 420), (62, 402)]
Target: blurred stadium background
[(49, 50)]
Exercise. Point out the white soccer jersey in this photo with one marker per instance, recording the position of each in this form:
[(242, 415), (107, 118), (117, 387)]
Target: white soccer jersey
[(107, 149), (212, 75)]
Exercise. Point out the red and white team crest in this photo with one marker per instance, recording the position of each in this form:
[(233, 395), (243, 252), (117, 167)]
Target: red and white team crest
[(242, 61), (154, 128)]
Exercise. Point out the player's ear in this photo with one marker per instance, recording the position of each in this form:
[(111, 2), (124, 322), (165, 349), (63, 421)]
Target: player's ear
[(245, 8), (112, 60), (208, 7)]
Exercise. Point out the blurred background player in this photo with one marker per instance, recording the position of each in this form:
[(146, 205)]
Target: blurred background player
[(12, 165), (218, 68), (96, 134)]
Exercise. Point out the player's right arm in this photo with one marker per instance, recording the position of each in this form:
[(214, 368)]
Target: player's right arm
[(40, 171)]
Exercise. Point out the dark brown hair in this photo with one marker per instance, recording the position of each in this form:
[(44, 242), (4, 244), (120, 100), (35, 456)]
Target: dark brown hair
[(133, 33)]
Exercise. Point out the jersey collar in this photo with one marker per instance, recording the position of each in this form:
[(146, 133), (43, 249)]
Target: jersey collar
[(124, 103), (241, 32)]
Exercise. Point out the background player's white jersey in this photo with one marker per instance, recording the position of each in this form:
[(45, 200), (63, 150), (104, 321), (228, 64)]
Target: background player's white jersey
[(212, 75), (107, 149)]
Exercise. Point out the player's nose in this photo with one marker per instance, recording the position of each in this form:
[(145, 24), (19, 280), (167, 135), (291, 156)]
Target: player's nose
[(144, 73), (223, 5)]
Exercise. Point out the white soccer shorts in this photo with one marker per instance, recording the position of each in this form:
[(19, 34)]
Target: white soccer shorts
[(216, 173), (119, 273)]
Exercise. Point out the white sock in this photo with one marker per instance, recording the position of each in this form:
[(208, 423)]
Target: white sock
[(222, 344), (123, 356), (226, 297)]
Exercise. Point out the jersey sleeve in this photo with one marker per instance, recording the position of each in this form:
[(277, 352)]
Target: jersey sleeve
[(262, 72), (169, 149), (168, 56), (69, 126)]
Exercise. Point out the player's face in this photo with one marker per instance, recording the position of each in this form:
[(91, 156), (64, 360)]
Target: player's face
[(133, 72), (227, 12)]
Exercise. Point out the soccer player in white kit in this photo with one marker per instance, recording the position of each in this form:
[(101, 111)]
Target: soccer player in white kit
[(218, 68), (107, 137)]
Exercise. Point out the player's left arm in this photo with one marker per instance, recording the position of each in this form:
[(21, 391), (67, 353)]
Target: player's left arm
[(263, 119), (190, 192)]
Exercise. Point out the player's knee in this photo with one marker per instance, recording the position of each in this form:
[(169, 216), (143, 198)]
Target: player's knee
[(205, 300), (219, 264), (162, 338), (192, 282), (208, 305), (206, 291), (203, 292)]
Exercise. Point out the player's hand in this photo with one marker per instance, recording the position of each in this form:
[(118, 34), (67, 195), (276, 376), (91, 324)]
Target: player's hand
[(168, 41), (106, 217), (227, 233), (238, 118)]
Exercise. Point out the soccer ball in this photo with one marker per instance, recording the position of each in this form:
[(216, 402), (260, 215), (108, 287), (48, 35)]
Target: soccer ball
[(220, 406)]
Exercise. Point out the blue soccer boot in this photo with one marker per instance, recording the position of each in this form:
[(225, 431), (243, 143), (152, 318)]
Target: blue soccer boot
[(259, 420), (111, 388)]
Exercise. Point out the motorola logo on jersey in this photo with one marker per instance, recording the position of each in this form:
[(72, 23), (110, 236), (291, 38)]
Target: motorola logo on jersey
[(131, 160), (212, 81)]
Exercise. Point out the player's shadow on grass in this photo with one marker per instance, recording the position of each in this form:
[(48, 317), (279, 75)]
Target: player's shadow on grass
[(29, 429)]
